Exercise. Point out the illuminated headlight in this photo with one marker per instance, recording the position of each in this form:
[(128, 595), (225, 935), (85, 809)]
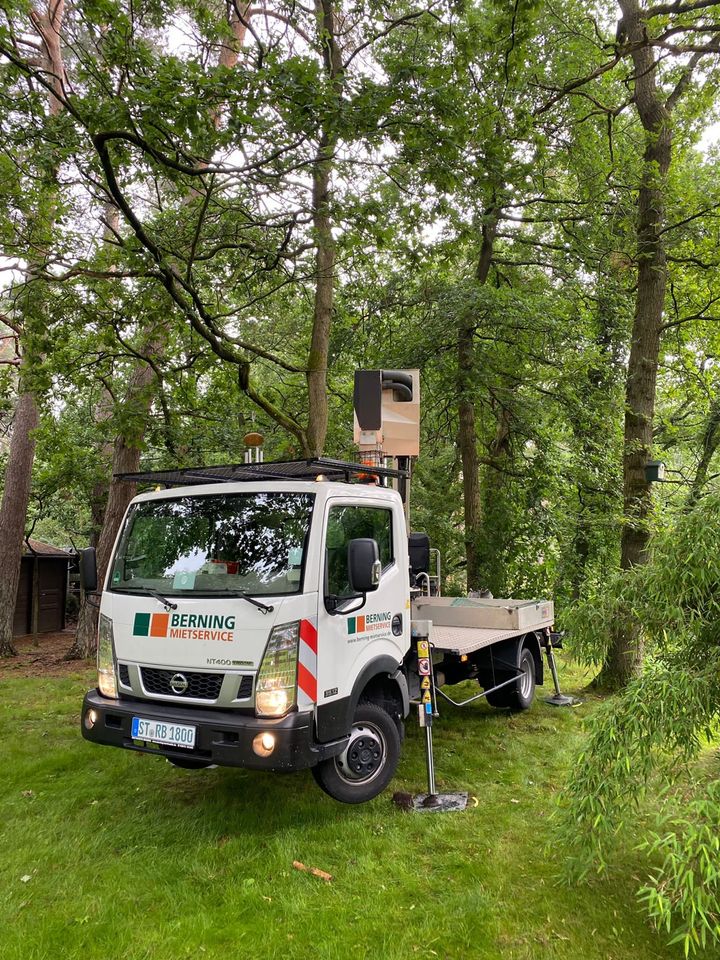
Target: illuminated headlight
[(106, 659), (264, 744), (276, 683)]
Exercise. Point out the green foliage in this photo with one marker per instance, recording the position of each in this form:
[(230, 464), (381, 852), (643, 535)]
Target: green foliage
[(683, 894), (674, 599), (646, 738)]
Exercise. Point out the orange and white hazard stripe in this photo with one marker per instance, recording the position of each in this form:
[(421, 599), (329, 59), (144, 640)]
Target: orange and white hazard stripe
[(307, 663)]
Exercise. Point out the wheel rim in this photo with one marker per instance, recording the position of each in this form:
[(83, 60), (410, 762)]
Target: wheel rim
[(364, 757), (526, 680)]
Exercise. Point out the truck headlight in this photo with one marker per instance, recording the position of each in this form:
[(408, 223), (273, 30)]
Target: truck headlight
[(106, 658), (276, 684)]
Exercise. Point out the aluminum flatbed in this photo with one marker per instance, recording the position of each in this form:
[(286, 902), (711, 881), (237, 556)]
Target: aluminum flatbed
[(462, 625)]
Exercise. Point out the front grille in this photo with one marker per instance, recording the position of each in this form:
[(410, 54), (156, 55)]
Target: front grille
[(124, 674), (245, 689), (201, 686)]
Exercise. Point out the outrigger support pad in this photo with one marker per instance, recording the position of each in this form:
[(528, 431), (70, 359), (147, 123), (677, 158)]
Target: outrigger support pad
[(441, 802), (558, 699), (561, 700)]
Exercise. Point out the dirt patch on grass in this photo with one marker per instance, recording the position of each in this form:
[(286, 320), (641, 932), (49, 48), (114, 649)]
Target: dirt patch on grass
[(42, 656)]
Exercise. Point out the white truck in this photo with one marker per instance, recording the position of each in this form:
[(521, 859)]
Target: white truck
[(260, 615)]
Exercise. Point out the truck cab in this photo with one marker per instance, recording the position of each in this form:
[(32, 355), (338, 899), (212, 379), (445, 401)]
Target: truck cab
[(261, 623)]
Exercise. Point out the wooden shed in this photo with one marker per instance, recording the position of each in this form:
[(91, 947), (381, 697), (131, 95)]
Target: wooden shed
[(42, 590)]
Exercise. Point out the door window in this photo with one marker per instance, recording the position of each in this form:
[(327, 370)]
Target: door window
[(349, 523)]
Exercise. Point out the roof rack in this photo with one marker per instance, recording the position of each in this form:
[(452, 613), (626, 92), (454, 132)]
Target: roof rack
[(310, 469)]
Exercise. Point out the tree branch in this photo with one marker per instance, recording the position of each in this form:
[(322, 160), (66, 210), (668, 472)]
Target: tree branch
[(694, 216), (393, 25), (574, 84), (683, 83), (178, 288), (663, 9)]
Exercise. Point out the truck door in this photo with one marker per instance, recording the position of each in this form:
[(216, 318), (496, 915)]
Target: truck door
[(350, 639)]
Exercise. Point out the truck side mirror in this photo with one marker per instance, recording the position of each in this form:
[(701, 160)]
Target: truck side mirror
[(364, 565), (88, 570)]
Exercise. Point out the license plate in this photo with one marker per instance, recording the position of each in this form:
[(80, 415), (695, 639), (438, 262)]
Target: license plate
[(157, 731)]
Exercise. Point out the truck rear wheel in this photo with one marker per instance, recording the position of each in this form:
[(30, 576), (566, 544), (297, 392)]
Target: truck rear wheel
[(519, 695), (369, 761)]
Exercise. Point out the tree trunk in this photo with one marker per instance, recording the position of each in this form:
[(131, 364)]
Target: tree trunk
[(467, 434), (322, 313), (624, 656), (18, 474), (598, 404), (467, 443), (710, 443), (325, 243), (13, 511), (492, 547), (581, 549), (126, 459)]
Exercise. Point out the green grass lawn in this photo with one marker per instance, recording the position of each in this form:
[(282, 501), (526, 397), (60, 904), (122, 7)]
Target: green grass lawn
[(129, 857)]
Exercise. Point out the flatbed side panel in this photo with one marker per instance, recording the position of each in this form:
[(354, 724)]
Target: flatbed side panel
[(461, 641), (520, 616)]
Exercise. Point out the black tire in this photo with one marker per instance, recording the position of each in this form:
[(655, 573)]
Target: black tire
[(500, 699), (368, 763), (189, 764), (520, 695)]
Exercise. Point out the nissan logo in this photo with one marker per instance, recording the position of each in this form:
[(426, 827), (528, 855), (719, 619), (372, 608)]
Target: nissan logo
[(178, 683)]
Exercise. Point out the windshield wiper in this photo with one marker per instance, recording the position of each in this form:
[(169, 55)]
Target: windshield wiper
[(266, 608), (256, 603), (168, 604)]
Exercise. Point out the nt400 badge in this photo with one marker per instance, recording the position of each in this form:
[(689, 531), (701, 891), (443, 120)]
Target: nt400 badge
[(424, 667)]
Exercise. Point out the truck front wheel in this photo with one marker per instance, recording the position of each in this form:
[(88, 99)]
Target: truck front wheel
[(368, 762)]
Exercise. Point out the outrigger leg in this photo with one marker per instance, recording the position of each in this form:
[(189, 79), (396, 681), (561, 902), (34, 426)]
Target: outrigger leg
[(558, 699), (432, 801)]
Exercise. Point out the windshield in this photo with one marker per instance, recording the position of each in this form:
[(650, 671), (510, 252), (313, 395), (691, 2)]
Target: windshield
[(221, 544)]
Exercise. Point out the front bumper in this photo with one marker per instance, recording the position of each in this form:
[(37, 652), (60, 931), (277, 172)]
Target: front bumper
[(223, 737)]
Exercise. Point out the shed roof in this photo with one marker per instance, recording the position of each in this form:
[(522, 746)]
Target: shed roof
[(44, 550)]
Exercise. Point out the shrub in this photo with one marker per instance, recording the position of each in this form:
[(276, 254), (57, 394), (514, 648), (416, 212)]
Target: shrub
[(647, 736)]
